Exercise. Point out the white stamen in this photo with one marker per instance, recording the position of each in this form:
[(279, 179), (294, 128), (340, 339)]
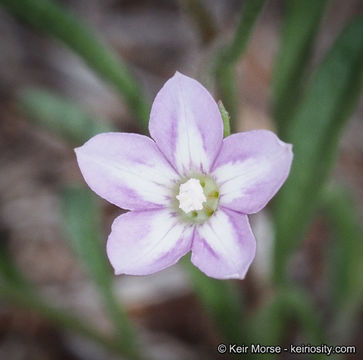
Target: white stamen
[(191, 196)]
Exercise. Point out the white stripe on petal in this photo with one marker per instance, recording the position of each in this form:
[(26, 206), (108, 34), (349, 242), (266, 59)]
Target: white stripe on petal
[(127, 170), (144, 242), (186, 124), (250, 169), (224, 246)]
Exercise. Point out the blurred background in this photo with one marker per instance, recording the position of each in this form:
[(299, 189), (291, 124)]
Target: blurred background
[(71, 69)]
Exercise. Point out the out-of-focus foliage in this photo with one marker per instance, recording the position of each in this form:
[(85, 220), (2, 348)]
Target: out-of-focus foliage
[(17, 290), (60, 116), (222, 302), (344, 260), (268, 324), (310, 114), (9, 273), (82, 222), (314, 131), (202, 19), (56, 21), (300, 26), (228, 56)]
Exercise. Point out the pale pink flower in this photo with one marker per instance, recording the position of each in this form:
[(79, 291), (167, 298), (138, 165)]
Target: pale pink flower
[(188, 189)]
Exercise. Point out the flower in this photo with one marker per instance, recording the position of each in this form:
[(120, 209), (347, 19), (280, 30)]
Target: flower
[(187, 188)]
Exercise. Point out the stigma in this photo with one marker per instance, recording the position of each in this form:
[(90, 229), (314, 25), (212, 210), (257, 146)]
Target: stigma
[(191, 196)]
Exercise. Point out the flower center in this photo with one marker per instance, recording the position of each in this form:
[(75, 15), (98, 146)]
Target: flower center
[(191, 196), (197, 199)]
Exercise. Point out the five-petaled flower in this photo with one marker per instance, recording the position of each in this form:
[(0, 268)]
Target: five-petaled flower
[(188, 189)]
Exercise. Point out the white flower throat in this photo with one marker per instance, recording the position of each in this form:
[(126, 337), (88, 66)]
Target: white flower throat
[(197, 199), (191, 196)]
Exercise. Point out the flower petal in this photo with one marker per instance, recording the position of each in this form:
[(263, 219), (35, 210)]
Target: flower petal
[(143, 242), (128, 170), (224, 246), (186, 124), (250, 169)]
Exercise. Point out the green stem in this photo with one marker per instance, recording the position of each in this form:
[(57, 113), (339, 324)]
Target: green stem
[(345, 260), (80, 212), (301, 23), (51, 18), (229, 55)]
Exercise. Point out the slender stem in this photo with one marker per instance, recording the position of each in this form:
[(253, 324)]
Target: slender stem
[(224, 69), (344, 260), (250, 11), (85, 238), (300, 26)]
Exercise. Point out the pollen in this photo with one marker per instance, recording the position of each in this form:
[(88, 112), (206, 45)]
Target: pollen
[(191, 196)]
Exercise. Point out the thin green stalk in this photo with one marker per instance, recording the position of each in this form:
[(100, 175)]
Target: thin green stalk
[(82, 223), (54, 20), (345, 261), (301, 24), (229, 55)]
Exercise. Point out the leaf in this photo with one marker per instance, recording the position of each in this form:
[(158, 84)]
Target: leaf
[(54, 20), (81, 220), (60, 116), (314, 132), (344, 260), (301, 23)]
